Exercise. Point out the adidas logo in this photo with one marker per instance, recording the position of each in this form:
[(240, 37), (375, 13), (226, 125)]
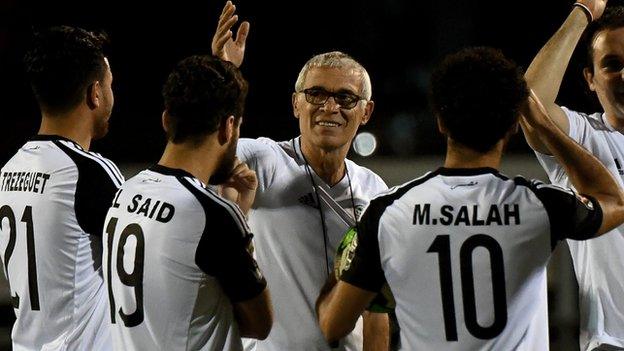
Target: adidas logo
[(619, 166), (308, 200)]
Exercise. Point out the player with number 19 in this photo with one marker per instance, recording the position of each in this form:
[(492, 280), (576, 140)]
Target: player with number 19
[(464, 248), (178, 257)]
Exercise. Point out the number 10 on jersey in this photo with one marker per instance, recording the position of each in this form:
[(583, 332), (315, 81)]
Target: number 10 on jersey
[(442, 246)]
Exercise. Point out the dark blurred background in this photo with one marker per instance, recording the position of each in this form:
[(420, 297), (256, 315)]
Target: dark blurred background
[(398, 41)]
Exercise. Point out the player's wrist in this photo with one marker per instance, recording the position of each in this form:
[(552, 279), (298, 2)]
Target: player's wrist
[(585, 7)]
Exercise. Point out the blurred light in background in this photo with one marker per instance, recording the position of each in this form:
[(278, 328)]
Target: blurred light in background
[(365, 144)]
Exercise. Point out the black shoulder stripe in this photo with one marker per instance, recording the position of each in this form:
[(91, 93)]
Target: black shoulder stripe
[(233, 208), (386, 198), (501, 176), (568, 217), (115, 176), (112, 165), (95, 188), (204, 195), (108, 163), (109, 166), (519, 180), (533, 185), (397, 191)]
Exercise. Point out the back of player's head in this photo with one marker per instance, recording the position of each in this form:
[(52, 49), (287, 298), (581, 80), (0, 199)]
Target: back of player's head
[(62, 64), (476, 93), (612, 18), (336, 59), (200, 93)]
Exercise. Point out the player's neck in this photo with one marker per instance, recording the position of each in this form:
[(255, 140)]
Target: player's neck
[(329, 165), (459, 156), (200, 161), (615, 122), (72, 126)]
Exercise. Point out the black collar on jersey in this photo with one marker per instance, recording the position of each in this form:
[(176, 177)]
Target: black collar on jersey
[(465, 171), (176, 172), (49, 137)]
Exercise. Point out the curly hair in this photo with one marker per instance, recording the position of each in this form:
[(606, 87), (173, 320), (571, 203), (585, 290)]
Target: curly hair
[(200, 93), (613, 18), (62, 63), (477, 93)]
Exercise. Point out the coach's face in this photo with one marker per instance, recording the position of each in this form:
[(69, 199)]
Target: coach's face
[(106, 101), (607, 78), (329, 125)]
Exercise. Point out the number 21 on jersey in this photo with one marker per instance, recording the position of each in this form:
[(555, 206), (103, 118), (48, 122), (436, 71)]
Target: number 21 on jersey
[(7, 215)]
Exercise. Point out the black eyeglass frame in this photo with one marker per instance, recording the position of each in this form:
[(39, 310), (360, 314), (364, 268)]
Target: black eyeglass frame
[(339, 98)]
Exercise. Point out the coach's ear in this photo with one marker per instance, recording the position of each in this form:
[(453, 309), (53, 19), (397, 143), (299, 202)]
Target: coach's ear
[(368, 111), (295, 105), (226, 130)]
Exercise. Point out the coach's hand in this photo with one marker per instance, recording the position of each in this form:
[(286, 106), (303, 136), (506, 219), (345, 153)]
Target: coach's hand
[(223, 45), (241, 186)]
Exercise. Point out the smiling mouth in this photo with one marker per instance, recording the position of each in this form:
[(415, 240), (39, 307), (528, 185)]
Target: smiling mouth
[(328, 124)]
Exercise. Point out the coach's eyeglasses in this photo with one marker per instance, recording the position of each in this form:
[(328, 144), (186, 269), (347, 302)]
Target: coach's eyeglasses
[(319, 96)]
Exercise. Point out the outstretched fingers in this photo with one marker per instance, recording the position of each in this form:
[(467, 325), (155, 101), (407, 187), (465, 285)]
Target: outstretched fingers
[(225, 29), (227, 20), (241, 34), (227, 12)]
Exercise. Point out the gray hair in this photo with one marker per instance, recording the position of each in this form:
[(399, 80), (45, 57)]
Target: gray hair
[(336, 59)]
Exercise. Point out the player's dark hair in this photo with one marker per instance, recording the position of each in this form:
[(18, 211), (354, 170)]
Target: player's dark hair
[(477, 93), (613, 18), (200, 93), (61, 65)]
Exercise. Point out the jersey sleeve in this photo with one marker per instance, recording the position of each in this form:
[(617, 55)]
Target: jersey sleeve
[(94, 196), (260, 156), (571, 215), (365, 270), (225, 251)]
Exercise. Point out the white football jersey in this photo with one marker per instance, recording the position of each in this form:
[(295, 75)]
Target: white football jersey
[(598, 263), (53, 200), (177, 256), (464, 252), (291, 246)]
